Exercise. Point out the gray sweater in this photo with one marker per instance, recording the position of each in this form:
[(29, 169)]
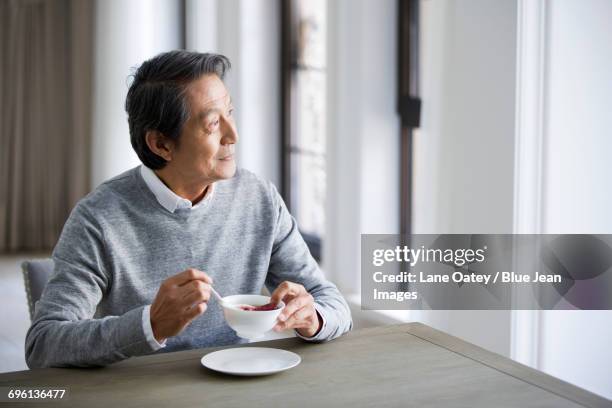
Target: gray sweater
[(119, 244)]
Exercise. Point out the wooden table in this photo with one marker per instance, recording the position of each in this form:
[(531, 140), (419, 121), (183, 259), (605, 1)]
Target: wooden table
[(390, 366)]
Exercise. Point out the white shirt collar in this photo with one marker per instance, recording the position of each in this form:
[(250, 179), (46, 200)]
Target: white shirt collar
[(166, 197)]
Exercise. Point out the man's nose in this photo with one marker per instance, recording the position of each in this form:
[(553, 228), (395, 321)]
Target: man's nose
[(228, 129)]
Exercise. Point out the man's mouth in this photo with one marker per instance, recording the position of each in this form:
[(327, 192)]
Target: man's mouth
[(227, 158)]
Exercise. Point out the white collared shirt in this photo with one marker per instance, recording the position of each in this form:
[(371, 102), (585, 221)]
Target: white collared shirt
[(168, 198)]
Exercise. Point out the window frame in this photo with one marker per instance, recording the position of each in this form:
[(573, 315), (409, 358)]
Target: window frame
[(289, 68)]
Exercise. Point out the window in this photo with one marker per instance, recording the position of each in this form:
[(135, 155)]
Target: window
[(303, 58)]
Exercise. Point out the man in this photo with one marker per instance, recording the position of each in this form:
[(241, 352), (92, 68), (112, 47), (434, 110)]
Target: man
[(137, 257)]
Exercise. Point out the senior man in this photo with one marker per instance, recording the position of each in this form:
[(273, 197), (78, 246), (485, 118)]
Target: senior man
[(137, 257)]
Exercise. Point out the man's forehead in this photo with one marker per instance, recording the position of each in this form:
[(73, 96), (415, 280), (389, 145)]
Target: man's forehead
[(208, 101), (202, 108), (209, 91)]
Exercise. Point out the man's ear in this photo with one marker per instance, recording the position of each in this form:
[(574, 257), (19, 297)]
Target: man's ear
[(159, 144)]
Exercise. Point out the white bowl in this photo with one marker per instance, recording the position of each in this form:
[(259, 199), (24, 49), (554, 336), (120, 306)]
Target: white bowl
[(250, 324)]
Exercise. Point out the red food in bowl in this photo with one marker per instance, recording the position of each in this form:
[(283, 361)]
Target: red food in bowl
[(250, 308)]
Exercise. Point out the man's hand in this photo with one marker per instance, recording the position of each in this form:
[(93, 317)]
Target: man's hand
[(299, 312), (180, 299)]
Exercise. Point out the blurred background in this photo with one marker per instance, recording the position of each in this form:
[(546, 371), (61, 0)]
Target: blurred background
[(371, 116)]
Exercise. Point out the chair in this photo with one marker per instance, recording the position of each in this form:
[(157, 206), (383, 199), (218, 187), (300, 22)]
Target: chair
[(36, 273)]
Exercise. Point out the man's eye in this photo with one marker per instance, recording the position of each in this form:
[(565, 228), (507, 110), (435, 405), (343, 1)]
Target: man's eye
[(230, 112), (211, 127)]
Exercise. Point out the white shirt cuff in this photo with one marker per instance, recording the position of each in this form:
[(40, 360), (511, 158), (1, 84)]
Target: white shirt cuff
[(148, 330), (317, 336)]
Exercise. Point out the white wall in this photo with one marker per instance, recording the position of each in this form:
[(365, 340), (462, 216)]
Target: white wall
[(464, 150), (363, 133), (577, 198), (259, 102), (201, 25), (126, 34)]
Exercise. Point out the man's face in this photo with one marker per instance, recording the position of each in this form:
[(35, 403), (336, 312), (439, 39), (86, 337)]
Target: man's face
[(205, 152)]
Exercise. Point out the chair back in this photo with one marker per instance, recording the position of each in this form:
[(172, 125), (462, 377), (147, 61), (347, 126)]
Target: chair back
[(36, 273)]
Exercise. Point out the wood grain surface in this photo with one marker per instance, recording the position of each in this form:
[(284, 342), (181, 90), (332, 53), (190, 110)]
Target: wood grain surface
[(390, 366)]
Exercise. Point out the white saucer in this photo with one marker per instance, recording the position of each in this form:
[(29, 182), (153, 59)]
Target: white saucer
[(247, 361)]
